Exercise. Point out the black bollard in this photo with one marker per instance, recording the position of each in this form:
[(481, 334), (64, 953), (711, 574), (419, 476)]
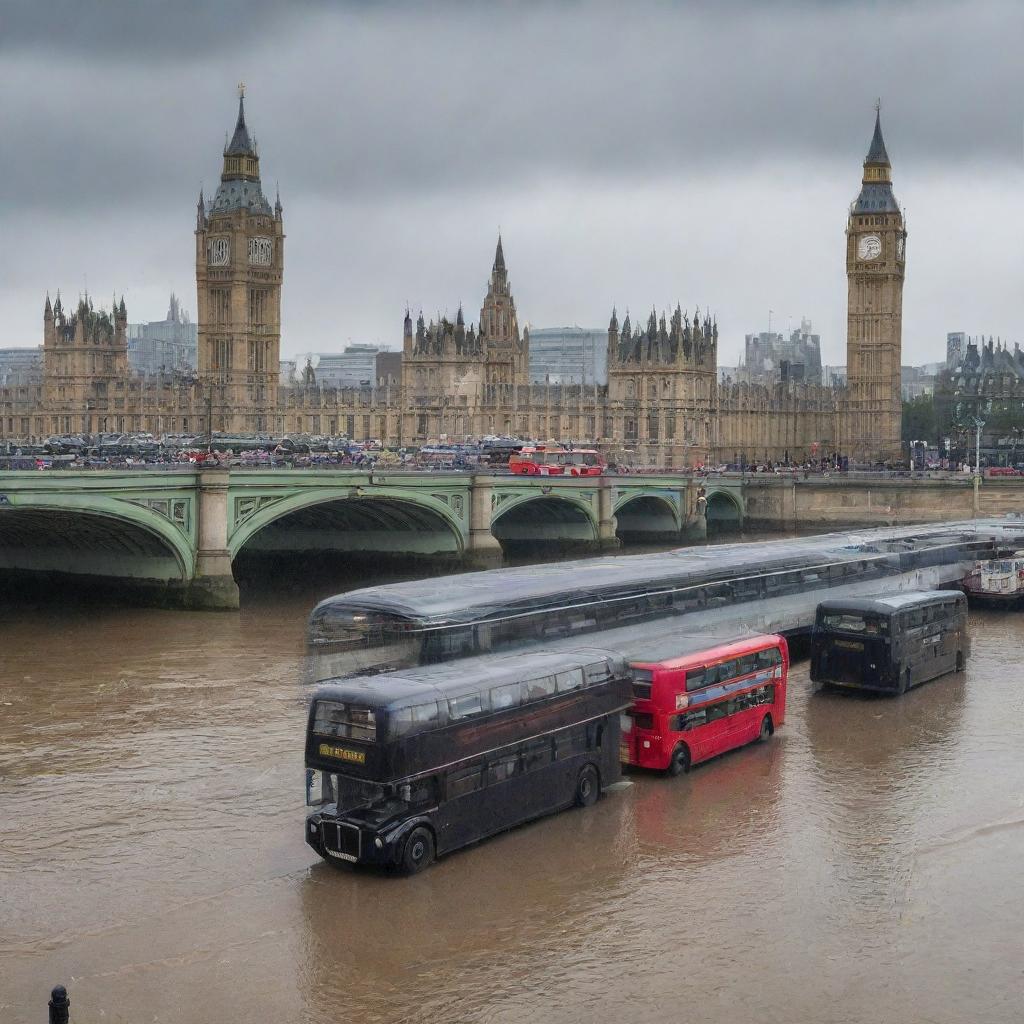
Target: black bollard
[(59, 1005)]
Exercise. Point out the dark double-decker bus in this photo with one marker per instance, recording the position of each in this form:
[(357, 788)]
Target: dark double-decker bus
[(402, 767), (889, 643), (428, 621)]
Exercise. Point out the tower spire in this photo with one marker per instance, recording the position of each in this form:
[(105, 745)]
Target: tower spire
[(499, 256), (241, 144), (877, 153)]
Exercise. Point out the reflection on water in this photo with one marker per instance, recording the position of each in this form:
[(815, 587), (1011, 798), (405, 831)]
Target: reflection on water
[(862, 865)]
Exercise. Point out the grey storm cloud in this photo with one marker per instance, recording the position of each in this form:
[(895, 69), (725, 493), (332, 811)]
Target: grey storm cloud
[(374, 98), (402, 134)]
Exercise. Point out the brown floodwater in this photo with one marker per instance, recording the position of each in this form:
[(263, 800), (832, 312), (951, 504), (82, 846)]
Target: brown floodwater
[(865, 864)]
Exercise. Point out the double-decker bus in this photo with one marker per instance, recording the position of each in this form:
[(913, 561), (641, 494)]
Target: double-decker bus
[(540, 460), (889, 643), (422, 622), (409, 765), (692, 702)]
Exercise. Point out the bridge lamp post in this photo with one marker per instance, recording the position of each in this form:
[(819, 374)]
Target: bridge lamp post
[(978, 424), (209, 417)]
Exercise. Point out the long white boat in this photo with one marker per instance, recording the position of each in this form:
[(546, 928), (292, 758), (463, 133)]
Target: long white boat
[(997, 581), (763, 585)]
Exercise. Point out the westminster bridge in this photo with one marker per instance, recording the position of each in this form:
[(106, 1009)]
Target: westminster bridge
[(173, 536)]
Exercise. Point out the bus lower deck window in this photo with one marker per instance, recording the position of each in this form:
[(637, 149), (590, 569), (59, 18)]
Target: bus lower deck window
[(463, 781), (536, 754)]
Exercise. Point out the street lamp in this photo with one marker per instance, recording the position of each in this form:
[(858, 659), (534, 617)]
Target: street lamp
[(209, 417), (978, 424)]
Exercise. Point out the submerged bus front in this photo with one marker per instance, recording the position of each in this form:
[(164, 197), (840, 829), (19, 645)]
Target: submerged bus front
[(891, 642), (404, 766)]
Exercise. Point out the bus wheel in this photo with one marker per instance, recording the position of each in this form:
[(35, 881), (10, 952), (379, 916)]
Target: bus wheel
[(418, 852), (588, 786), (680, 761), (766, 729)]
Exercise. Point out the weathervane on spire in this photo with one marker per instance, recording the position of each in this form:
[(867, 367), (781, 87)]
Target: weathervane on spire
[(241, 90), (878, 105)]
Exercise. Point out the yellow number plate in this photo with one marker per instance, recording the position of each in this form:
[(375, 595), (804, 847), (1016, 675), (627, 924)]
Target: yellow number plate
[(343, 754)]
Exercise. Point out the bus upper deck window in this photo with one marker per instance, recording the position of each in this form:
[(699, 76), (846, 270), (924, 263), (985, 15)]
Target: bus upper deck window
[(407, 720), (722, 673), (696, 678), (344, 721)]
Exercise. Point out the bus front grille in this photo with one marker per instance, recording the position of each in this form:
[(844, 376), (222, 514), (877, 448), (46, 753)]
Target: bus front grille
[(341, 840), (845, 666)]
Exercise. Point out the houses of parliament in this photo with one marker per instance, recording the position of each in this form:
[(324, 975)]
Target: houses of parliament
[(662, 406)]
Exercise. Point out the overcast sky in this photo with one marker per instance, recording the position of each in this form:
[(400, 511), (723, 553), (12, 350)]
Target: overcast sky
[(634, 154)]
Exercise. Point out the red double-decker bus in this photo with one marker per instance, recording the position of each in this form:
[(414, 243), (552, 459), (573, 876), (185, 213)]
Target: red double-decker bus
[(540, 460), (693, 706)]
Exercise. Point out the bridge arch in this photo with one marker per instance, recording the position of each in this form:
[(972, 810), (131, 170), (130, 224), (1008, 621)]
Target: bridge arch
[(647, 518), (544, 519), (93, 536), (724, 511), (347, 521)]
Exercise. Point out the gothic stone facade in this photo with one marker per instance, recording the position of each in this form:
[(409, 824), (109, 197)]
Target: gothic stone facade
[(662, 405)]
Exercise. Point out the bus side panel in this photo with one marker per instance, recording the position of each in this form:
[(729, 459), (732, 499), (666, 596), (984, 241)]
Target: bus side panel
[(458, 819), (475, 736), (494, 793)]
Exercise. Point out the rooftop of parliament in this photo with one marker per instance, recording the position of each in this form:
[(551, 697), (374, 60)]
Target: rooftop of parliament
[(662, 405)]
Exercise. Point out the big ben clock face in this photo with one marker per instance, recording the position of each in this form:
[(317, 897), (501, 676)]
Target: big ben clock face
[(261, 252), (217, 252), (869, 247)]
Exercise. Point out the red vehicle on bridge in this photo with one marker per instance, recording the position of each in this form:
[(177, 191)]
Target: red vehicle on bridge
[(694, 706), (541, 460)]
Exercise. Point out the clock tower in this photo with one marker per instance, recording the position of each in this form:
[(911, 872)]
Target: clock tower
[(875, 262), (239, 265)]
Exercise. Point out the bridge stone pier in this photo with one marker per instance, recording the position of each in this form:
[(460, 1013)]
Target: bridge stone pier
[(174, 537)]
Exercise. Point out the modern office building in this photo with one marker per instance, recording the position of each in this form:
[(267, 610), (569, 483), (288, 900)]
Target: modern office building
[(771, 358), (956, 348), (355, 366), (164, 346), (568, 355), (917, 381), (21, 366)]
